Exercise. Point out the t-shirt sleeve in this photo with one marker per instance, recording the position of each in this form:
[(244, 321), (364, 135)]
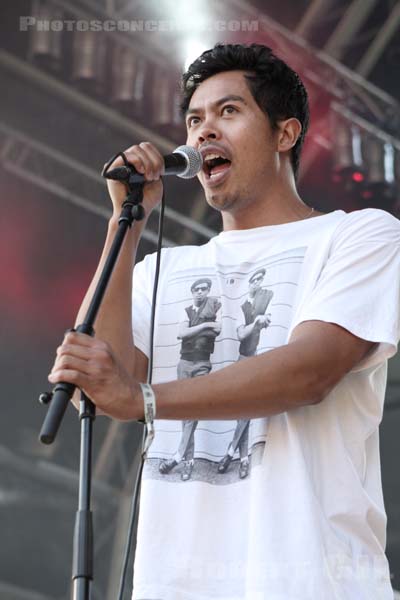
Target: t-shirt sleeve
[(142, 287), (359, 286)]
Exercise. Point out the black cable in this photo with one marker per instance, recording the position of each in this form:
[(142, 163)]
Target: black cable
[(155, 287), (138, 480), (109, 163)]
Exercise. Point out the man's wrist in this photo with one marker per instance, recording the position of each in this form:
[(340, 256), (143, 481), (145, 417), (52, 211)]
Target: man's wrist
[(149, 403), (134, 232)]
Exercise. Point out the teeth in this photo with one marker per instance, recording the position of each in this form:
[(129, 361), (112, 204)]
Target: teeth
[(213, 175), (213, 156)]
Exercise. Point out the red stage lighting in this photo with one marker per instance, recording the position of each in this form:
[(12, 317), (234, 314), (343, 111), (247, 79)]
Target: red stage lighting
[(357, 176)]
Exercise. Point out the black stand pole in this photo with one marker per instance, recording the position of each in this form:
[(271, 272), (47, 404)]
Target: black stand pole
[(82, 563), (82, 570)]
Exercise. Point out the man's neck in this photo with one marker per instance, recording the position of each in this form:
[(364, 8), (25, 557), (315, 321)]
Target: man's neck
[(279, 206)]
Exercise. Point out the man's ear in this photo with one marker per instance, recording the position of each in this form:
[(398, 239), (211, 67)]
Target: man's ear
[(289, 132)]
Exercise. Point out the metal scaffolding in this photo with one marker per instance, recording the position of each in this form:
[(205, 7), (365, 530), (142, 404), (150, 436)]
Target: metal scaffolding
[(68, 179)]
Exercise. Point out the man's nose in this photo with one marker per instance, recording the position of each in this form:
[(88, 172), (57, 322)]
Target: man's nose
[(207, 135), (207, 131)]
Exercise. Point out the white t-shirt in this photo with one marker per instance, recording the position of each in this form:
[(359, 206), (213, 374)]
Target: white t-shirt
[(308, 522)]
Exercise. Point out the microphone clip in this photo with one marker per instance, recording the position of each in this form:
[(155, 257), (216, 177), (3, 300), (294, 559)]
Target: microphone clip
[(132, 209), (122, 174)]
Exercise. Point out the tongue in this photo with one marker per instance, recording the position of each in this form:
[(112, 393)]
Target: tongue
[(220, 168)]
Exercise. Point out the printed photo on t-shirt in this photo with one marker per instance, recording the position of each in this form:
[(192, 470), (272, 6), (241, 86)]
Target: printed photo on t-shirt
[(209, 319)]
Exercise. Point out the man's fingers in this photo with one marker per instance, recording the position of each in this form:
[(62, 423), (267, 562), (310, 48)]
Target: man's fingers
[(71, 362), (81, 339), (83, 345), (155, 158), (84, 352), (145, 158), (146, 161), (78, 378)]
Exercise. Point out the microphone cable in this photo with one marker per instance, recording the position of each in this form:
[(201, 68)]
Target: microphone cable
[(138, 480)]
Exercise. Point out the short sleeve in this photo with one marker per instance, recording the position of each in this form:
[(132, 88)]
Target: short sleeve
[(359, 286), (141, 303)]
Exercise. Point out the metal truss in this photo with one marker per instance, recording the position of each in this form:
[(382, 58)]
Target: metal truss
[(69, 180), (321, 68), (54, 172), (317, 10), (349, 27), (91, 9), (377, 47), (78, 184), (329, 73), (41, 474), (347, 88), (106, 115), (111, 503), (354, 18), (64, 177)]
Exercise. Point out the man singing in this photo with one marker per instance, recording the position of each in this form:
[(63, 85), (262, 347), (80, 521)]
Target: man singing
[(308, 522)]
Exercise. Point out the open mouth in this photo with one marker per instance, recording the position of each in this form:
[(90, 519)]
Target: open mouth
[(214, 165)]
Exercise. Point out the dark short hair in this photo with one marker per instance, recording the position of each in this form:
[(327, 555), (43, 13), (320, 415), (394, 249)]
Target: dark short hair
[(202, 280), (277, 89)]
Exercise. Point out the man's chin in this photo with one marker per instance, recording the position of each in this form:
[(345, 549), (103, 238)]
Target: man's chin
[(219, 201)]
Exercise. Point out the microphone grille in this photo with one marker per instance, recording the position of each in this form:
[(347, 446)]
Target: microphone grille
[(194, 161)]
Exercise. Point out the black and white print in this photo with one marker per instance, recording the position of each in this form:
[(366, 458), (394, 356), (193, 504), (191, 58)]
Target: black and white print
[(255, 319), (197, 331), (211, 318)]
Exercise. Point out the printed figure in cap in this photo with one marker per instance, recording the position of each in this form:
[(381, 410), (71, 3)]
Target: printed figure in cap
[(255, 319), (198, 329)]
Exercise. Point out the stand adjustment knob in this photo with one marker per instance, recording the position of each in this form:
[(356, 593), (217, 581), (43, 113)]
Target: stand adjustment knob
[(45, 397)]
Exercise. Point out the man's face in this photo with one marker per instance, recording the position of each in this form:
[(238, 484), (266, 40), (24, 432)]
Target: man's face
[(255, 283), (199, 292), (224, 119)]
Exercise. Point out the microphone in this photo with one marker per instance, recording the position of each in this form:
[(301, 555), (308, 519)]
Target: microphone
[(184, 162)]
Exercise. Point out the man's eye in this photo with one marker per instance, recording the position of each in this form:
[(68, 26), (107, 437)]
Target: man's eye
[(192, 121), (229, 109)]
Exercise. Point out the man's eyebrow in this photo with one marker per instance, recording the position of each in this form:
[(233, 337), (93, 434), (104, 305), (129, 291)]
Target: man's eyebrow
[(231, 97)]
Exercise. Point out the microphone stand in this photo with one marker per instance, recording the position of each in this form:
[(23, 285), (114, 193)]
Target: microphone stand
[(82, 564)]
